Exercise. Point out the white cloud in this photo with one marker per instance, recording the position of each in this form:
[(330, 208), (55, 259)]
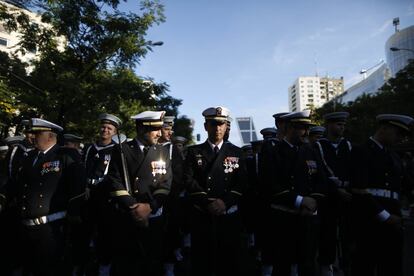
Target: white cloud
[(381, 29)]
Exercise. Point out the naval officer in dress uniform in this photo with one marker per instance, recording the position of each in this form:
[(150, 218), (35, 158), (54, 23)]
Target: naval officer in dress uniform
[(293, 182), (95, 230), (48, 192), (215, 176), (167, 130), (378, 181), (280, 124), (335, 152), (316, 133), (172, 208), (139, 181)]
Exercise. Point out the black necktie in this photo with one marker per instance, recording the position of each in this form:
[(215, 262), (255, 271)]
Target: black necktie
[(146, 149), (216, 150), (39, 158)]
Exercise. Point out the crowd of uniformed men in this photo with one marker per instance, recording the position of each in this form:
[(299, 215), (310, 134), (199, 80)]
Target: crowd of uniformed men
[(302, 201)]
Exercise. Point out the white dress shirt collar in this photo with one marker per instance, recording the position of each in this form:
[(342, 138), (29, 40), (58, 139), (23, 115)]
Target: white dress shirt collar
[(213, 145)]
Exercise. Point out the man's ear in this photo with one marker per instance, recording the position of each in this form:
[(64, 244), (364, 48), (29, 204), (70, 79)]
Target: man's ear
[(205, 126)]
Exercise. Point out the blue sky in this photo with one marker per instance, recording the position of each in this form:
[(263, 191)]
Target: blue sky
[(244, 54)]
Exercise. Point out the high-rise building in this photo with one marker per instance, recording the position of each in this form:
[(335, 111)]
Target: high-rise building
[(9, 40), (247, 130), (309, 92)]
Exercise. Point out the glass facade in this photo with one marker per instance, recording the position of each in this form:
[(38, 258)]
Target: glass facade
[(369, 85), (246, 129), (404, 40), (395, 61)]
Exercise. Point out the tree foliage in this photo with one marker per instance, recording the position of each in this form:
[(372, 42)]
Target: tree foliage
[(396, 96), (184, 127), (86, 55)]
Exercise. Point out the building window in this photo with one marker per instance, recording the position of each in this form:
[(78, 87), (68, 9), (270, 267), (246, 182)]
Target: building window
[(3, 41), (310, 95)]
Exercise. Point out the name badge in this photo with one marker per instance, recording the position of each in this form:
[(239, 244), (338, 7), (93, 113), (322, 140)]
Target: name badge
[(158, 167), (53, 166), (230, 164)]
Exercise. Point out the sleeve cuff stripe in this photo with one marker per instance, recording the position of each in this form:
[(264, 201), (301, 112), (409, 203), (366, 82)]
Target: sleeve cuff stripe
[(162, 192), (78, 196), (3, 196), (281, 193), (119, 193), (198, 193), (317, 194), (235, 192)]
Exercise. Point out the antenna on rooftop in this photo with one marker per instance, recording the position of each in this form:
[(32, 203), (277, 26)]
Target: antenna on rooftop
[(396, 22)]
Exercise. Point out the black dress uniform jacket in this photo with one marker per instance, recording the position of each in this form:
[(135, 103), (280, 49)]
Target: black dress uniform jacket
[(54, 183), (289, 171), (205, 175), (337, 158), (376, 168), (96, 160), (147, 184), (177, 162)]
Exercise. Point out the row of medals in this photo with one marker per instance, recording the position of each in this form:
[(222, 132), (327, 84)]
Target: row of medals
[(230, 166)]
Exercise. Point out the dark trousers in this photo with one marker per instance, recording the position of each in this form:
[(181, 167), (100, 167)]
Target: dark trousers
[(178, 220), (95, 229), (138, 250), (265, 235), (10, 240), (378, 250), (215, 244), (295, 241), (335, 234), (43, 248)]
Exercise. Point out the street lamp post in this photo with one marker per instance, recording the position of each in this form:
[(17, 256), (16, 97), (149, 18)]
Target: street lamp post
[(395, 49), (157, 43)]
